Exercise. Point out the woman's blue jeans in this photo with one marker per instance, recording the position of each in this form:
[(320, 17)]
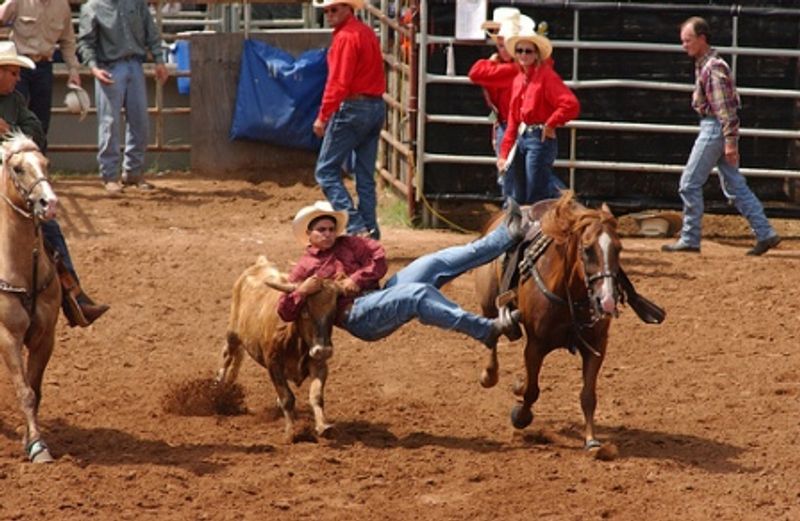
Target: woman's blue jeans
[(708, 151), (413, 292), (539, 180), (355, 127)]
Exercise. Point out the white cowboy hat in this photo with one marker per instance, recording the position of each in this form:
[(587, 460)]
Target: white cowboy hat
[(9, 56), (528, 34), (309, 213), (499, 15), (513, 26), (321, 4), (77, 100)]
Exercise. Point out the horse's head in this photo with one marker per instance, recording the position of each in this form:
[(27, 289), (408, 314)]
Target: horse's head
[(600, 249), (25, 168)]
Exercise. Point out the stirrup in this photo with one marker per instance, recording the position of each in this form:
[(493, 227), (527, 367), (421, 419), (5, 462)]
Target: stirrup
[(505, 298)]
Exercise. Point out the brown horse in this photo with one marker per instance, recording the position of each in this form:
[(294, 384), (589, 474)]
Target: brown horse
[(30, 294), (568, 291)]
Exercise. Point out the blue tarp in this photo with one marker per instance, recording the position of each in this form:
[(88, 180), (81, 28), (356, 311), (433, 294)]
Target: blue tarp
[(278, 96), (182, 59)]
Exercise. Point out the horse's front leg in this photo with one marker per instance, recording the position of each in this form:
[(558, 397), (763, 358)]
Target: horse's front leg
[(521, 414), (27, 397), (591, 368)]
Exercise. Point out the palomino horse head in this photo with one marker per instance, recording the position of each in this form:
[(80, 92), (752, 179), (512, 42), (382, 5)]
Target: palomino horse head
[(25, 168)]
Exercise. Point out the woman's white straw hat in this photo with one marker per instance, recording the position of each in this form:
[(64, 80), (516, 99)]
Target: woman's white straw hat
[(309, 213), (322, 4), (9, 56), (529, 34)]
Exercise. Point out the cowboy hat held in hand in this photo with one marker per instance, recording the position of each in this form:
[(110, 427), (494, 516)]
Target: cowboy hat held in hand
[(322, 4), (309, 213), (513, 27), (528, 34), (77, 100), (499, 15), (9, 56)]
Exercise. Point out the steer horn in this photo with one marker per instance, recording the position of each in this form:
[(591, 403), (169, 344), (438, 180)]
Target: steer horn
[(285, 287)]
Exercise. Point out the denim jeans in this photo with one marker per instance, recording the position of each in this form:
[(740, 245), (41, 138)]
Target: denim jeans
[(539, 181), (709, 150), (36, 86), (507, 181), (413, 292), (355, 127), (129, 91), (51, 232)]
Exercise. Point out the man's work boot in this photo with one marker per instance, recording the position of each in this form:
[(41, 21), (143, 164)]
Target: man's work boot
[(507, 323)]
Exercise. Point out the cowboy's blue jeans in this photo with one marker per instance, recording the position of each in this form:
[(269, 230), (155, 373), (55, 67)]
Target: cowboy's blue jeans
[(539, 181), (506, 181), (51, 232), (708, 151), (129, 91), (413, 292), (36, 86), (355, 127)]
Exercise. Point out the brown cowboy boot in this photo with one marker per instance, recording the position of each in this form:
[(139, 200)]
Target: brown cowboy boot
[(79, 309)]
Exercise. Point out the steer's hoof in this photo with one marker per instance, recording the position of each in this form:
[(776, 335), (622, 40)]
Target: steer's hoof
[(489, 378), (521, 417), (321, 352), (38, 452), (325, 431)]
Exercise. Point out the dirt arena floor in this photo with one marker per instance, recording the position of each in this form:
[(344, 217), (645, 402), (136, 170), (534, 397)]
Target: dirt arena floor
[(703, 409)]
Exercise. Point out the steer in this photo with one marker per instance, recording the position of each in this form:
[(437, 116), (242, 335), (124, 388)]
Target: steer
[(290, 351)]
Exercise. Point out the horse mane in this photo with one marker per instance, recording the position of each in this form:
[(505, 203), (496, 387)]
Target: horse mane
[(566, 216), (16, 141)]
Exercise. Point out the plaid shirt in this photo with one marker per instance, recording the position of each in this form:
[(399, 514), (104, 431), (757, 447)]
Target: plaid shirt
[(715, 93)]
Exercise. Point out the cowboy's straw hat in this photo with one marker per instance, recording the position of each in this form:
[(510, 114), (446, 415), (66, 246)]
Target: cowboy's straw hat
[(499, 15), (321, 4), (77, 100), (309, 213), (9, 56), (528, 34)]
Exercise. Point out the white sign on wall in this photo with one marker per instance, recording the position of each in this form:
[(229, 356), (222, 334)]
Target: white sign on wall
[(470, 14)]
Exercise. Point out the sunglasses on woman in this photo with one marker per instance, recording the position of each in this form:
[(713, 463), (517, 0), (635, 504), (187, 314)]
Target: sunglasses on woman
[(522, 50)]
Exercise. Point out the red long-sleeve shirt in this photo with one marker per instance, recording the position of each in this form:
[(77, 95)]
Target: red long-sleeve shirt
[(539, 96), (497, 79), (361, 259), (355, 66)]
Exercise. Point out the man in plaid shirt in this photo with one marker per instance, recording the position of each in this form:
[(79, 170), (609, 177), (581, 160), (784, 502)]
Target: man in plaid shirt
[(716, 101)]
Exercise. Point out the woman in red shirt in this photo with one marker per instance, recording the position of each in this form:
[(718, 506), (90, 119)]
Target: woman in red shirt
[(540, 102)]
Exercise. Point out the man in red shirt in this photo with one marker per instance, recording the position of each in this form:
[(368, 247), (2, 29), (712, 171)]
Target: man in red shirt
[(370, 312), (351, 115)]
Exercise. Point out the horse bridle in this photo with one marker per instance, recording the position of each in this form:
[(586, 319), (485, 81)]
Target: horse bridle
[(28, 298)]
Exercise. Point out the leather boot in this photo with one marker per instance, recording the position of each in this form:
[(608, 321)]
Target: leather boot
[(79, 309)]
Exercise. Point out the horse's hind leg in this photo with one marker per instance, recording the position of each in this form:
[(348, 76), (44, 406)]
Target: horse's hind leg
[(231, 359), (521, 414), (490, 374), (591, 368), (316, 395)]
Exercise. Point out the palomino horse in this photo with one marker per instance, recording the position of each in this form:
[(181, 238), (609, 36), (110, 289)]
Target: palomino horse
[(568, 291), (30, 294)]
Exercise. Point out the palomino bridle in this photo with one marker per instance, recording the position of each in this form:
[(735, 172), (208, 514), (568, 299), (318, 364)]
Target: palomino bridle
[(28, 298)]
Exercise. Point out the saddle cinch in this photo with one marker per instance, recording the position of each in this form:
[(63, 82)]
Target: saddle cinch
[(535, 244)]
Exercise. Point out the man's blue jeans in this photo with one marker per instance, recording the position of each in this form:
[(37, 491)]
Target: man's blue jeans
[(413, 292), (36, 86), (355, 127), (507, 181), (539, 181), (129, 91), (51, 232), (709, 150)]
